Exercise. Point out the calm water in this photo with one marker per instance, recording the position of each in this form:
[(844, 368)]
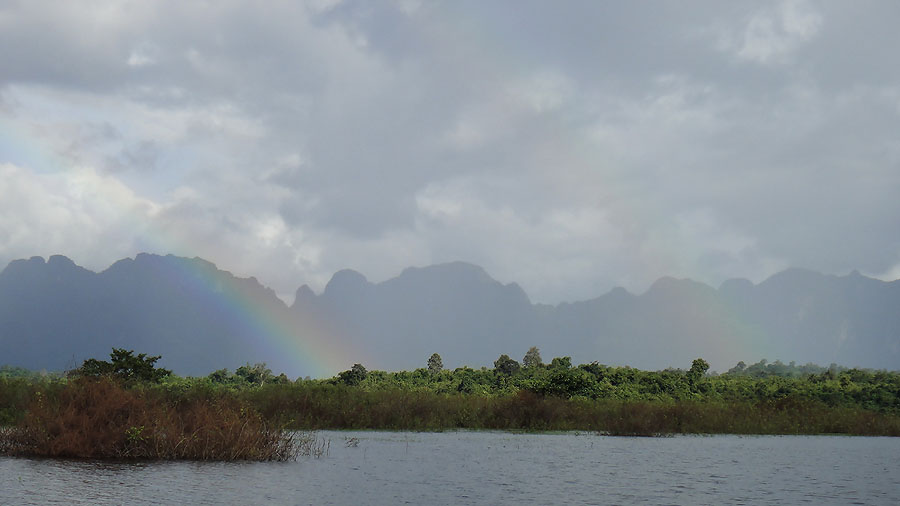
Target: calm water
[(493, 468)]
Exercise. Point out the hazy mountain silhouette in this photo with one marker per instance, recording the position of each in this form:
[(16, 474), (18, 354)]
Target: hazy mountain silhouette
[(55, 314), (455, 309)]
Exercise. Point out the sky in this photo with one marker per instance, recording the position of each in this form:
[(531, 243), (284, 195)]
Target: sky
[(570, 147)]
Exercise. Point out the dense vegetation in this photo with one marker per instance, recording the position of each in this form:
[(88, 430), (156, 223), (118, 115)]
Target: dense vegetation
[(763, 398), (120, 409)]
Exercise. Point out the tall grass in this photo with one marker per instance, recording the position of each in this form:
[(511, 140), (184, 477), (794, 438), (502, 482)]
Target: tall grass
[(200, 420), (338, 407), (90, 418)]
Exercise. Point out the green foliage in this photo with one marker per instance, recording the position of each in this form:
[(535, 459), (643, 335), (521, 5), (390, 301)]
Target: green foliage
[(256, 374), (697, 371), (220, 376), (561, 363), (354, 376), (8, 371), (124, 365), (532, 358), (568, 383), (555, 396), (435, 364), (247, 376), (763, 369), (506, 365)]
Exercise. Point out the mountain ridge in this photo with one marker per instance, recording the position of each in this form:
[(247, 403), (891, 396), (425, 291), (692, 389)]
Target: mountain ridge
[(54, 312)]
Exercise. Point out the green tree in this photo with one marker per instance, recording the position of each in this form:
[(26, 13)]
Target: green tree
[(506, 365), (435, 364), (532, 358), (698, 369), (123, 364), (220, 376), (354, 376), (256, 374), (738, 369), (561, 363), (567, 382)]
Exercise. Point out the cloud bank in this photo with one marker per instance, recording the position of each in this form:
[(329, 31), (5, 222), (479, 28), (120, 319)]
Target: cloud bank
[(570, 148)]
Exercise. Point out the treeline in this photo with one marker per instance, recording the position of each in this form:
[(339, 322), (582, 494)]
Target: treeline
[(763, 398), (761, 382)]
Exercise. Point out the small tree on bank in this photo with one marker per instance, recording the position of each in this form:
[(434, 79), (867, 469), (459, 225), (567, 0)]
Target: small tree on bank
[(435, 364)]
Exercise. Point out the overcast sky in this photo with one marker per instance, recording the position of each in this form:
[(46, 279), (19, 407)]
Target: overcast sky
[(567, 146)]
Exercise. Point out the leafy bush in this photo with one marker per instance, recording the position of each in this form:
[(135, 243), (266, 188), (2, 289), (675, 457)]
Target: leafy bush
[(506, 365), (354, 376), (124, 365)]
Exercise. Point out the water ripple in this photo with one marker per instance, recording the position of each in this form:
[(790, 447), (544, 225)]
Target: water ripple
[(493, 468)]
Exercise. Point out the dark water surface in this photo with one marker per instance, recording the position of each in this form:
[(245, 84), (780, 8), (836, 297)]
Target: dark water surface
[(493, 468)]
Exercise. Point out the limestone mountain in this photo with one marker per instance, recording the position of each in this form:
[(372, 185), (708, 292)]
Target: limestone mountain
[(54, 314)]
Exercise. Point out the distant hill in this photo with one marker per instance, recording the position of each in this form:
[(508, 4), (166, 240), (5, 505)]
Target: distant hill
[(54, 314)]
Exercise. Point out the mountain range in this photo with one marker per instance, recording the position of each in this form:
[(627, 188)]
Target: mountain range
[(54, 314)]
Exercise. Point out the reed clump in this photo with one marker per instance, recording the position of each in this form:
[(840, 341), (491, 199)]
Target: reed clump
[(101, 419)]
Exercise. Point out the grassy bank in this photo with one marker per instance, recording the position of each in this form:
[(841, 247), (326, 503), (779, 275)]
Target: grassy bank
[(101, 418), (200, 420), (337, 407), (128, 408)]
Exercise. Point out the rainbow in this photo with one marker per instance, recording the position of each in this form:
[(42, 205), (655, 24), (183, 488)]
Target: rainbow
[(305, 346), (309, 347)]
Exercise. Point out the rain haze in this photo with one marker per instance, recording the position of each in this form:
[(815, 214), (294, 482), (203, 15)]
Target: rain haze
[(568, 147)]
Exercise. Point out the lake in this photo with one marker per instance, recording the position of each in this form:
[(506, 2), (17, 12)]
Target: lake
[(492, 468)]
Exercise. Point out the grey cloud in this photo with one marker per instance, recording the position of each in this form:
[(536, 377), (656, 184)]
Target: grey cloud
[(570, 147)]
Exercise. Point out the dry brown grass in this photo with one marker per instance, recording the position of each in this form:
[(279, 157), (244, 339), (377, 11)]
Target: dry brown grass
[(101, 419)]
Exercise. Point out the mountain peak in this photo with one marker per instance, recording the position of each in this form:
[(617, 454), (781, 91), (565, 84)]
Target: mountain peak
[(345, 281), (794, 278), (619, 292), (735, 286), (304, 296), (60, 261), (183, 309), (457, 270), (668, 285)]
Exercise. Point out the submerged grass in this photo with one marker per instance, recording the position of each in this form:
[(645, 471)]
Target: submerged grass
[(100, 418)]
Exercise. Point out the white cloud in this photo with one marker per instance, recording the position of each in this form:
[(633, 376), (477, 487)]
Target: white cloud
[(79, 212), (143, 55), (773, 34), (577, 242), (890, 274)]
